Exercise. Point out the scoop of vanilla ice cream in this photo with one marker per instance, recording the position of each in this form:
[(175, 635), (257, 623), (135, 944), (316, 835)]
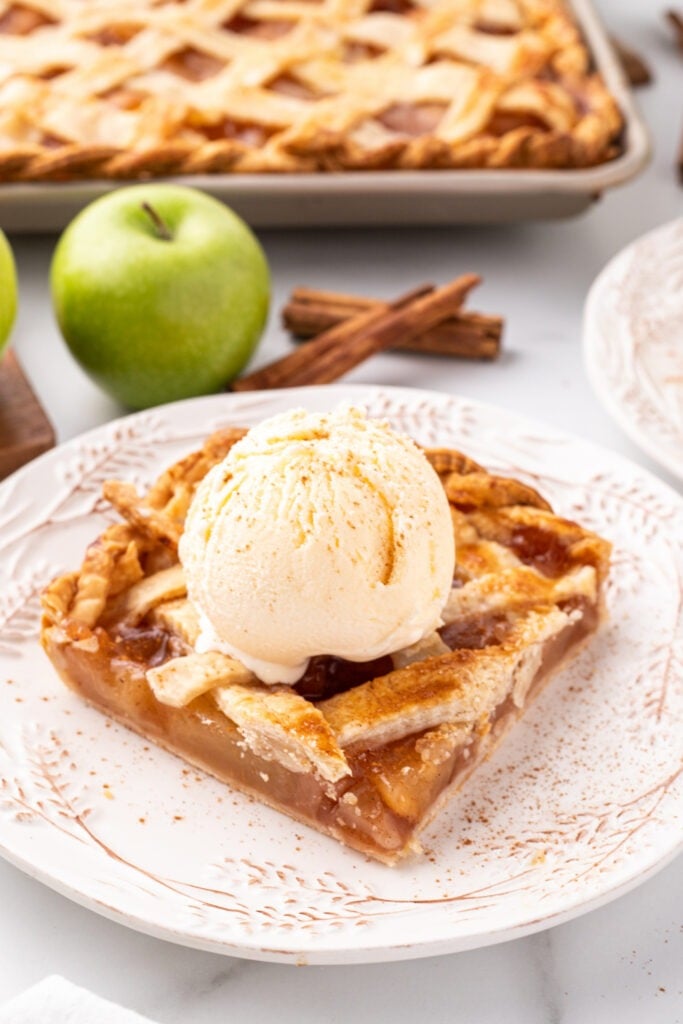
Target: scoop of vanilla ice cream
[(318, 534)]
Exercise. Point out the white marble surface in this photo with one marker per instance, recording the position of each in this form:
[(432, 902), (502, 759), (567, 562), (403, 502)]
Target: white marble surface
[(623, 962)]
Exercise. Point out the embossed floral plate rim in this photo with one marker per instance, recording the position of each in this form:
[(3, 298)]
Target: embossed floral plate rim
[(128, 831), (625, 323)]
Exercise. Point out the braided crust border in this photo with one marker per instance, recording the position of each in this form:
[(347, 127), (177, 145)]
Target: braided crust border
[(593, 140)]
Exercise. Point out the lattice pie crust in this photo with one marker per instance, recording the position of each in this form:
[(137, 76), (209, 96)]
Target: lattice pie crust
[(363, 753), (127, 90)]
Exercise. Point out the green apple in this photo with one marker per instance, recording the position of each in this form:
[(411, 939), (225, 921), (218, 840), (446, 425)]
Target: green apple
[(8, 292), (160, 292)]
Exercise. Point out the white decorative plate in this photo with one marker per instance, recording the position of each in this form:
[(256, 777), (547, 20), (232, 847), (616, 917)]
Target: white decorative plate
[(633, 342), (582, 802)]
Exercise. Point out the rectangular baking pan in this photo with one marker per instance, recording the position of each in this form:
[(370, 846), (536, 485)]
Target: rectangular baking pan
[(361, 198)]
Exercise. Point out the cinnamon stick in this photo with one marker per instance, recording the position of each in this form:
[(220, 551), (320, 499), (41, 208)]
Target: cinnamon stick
[(635, 67), (464, 335), (337, 350), (675, 19)]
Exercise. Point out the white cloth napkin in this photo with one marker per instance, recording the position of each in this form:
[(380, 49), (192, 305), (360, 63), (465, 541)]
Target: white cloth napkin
[(55, 1000)]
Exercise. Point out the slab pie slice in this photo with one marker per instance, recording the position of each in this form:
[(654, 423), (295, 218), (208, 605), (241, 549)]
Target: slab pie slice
[(364, 752)]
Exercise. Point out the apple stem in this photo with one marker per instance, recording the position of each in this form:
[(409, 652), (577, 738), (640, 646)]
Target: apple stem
[(160, 225)]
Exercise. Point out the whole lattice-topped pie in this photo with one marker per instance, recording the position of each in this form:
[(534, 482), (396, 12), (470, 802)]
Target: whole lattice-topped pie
[(364, 749), (157, 87)]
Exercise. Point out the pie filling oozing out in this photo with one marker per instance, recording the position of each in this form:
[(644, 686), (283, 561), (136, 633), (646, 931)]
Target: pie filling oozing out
[(364, 752), (144, 89)]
